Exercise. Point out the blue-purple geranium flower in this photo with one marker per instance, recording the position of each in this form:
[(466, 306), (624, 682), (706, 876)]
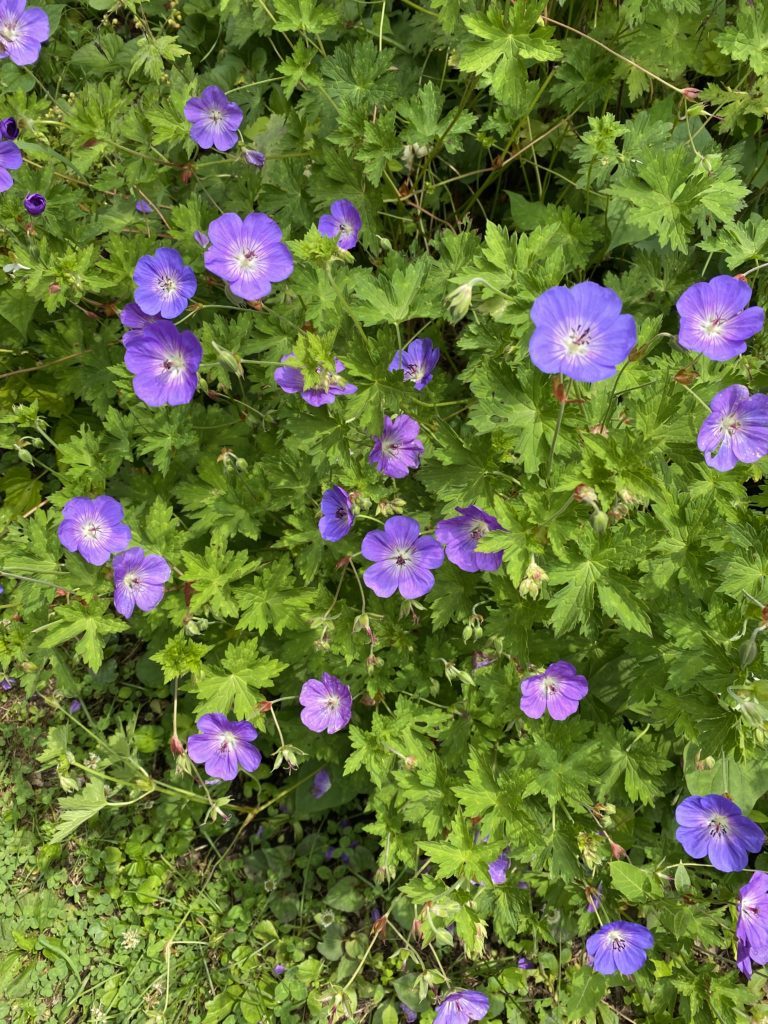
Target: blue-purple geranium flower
[(224, 747), (581, 332), (498, 868), (397, 450), (329, 385), (714, 827), (343, 222), (164, 362), (10, 160), (249, 254), (736, 430), (34, 204), (557, 690), (402, 560), (462, 1007), (752, 925), (417, 361), (135, 319), (9, 128), (714, 320), (23, 30), (142, 206), (337, 516), (139, 581), (461, 534), (321, 783), (254, 157), (164, 283), (94, 528), (619, 946), (326, 704), (214, 119)]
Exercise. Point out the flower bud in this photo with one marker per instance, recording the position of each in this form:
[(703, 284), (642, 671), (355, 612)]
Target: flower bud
[(690, 93), (529, 588), (361, 622), (748, 651), (460, 300), (599, 521), (229, 360), (177, 747), (585, 493), (466, 634)]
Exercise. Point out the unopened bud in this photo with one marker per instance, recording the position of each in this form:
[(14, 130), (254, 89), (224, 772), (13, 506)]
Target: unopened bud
[(617, 852), (229, 360), (599, 521), (585, 493), (529, 588), (748, 651), (686, 377), (177, 747), (264, 707), (467, 634), (54, 289), (361, 622), (690, 93), (460, 300)]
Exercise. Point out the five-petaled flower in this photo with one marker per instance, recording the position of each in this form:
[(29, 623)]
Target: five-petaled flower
[(752, 924), (736, 430), (249, 254), (343, 222), (460, 535), (139, 580), (714, 320), (10, 160), (557, 690), (581, 332), (329, 385), (214, 119), (164, 361), (417, 361), (397, 450), (164, 283), (619, 946), (224, 747), (402, 560), (326, 704), (462, 1007), (94, 528), (714, 827), (23, 30), (337, 516)]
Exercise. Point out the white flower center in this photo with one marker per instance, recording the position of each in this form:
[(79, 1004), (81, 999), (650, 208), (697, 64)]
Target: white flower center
[(248, 258), (730, 424), (227, 740), (92, 529), (167, 284), (616, 939), (174, 363), (10, 31), (332, 701), (402, 557), (718, 825), (714, 325), (577, 340), (132, 581)]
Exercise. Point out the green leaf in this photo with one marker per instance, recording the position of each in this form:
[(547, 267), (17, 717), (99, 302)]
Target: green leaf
[(92, 623), (75, 810)]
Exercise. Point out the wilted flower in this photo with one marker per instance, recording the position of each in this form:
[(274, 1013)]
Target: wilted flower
[(337, 516), (164, 361), (134, 317), (254, 157), (94, 528), (752, 926), (321, 783), (8, 683), (34, 204), (714, 827), (22, 31), (713, 319), (462, 1007), (343, 222), (417, 361), (214, 119), (9, 129), (329, 385), (461, 534), (737, 429), (581, 332), (398, 449), (460, 299), (139, 580), (402, 559), (224, 747), (164, 283), (326, 704), (558, 690), (10, 160), (619, 946), (249, 254)]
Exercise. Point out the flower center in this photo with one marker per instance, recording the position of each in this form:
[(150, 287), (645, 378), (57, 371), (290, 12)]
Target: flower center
[(718, 825), (174, 363), (332, 701), (226, 741), (730, 424), (713, 326), (92, 529), (478, 530), (403, 557), (248, 258), (132, 581), (9, 31), (216, 116), (341, 513), (413, 371), (616, 940), (551, 686), (167, 284), (577, 339)]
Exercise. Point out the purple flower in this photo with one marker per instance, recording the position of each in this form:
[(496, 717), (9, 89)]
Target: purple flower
[(402, 560), (462, 1007), (327, 704), (737, 430), (321, 783), (498, 868), (7, 683), (254, 157), (164, 361), (94, 528), (343, 221), (164, 283), (224, 747), (290, 379), (752, 926), (525, 964), (409, 1016), (278, 970), (22, 31), (337, 516), (398, 449), (139, 580), (558, 690), (34, 204), (581, 332), (9, 129), (461, 534), (619, 946), (214, 119), (10, 160), (74, 706), (134, 317), (248, 254), (417, 362), (201, 238), (594, 898), (142, 206), (714, 827), (713, 319)]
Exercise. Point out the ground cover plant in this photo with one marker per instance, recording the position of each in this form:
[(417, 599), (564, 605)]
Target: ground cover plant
[(383, 424)]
